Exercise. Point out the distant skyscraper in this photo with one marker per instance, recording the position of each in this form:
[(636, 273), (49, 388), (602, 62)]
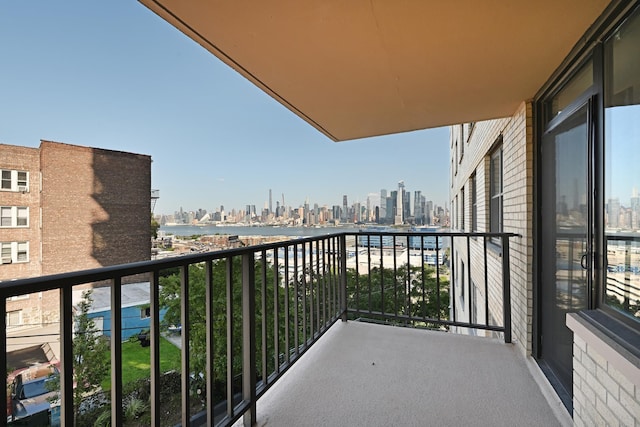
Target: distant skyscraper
[(270, 202), (345, 208), (399, 215), (383, 204)]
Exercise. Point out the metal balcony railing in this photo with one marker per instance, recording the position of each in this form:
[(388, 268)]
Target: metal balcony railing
[(275, 301)]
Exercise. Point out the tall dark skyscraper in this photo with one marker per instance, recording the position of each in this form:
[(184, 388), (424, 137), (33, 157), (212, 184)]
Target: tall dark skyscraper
[(345, 208), (270, 202)]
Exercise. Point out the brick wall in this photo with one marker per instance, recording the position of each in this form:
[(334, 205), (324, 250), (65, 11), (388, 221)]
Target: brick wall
[(517, 158), (602, 393), (96, 207), (22, 159)]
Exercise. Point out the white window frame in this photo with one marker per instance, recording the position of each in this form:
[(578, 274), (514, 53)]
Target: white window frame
[(13, 183), (18, 323), (16, 213), (14, 249)]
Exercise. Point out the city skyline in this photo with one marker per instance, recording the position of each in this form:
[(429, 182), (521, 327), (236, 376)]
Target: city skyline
[(397, 207), (213, 136)]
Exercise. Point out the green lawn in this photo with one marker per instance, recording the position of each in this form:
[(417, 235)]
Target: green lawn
[(136, 361)]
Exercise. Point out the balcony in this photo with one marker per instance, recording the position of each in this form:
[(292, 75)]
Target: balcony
[(378, 306)]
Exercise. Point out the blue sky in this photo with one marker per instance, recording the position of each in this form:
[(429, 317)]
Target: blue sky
[(114, 75)]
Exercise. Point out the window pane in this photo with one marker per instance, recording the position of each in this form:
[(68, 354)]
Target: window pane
[(23, 251), (5, 251), (5, 217), (23, 217), (579, 83), (622, 175), (22, 178), (6, 180)]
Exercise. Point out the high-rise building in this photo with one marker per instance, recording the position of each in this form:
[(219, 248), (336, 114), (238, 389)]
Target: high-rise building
[(345, 208), (270, 202)]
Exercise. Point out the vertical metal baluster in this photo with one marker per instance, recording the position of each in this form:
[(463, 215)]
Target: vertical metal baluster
[(395, 281), (424, 285), (469, 277), (263, 314), (368, 267), (67, 412), (407, 290), (304, 294), (184, 320), (357, 277), (438, 302), (324, 283), (248, 338), (343, 276), (116, 351), (230, 339), (287, 309), (381, 275), (154, 302), (3, 345), (506, 288), (276, 305), (210, 338), (452, 281), (486, 283), (296, 320)]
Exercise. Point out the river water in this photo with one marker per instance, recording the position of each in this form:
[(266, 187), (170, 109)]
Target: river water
[(189, 230)]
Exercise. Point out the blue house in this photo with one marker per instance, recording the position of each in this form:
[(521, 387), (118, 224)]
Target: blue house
[(135, 309)]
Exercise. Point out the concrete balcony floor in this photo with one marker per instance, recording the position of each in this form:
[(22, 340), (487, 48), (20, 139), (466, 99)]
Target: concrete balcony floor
[(361, 374)]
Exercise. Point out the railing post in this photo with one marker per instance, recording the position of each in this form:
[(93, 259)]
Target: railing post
[(66, 355), (343, 277), (116, 352), (506, 288), (248, 338), (185, 322), (3, 344)]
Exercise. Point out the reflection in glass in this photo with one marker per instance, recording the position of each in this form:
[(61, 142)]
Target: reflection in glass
[(622, 174)]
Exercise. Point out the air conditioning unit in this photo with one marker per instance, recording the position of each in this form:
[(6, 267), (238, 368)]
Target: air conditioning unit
[(5, 260), (23, 188)]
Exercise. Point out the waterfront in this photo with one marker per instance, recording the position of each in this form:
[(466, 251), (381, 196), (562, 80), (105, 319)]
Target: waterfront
[(189, 230)]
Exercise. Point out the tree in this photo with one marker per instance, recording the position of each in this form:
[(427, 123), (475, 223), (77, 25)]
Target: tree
[(155, 225), (90, 356), (405, 292), (170, 298), (90, 353)]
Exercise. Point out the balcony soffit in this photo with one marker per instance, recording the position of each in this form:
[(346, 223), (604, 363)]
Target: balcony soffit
[(361, 68)]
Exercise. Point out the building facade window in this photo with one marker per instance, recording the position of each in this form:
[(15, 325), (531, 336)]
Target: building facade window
[(14, 318), (14, 252), (145, 313), (14, 180), (495, 184), (14, 216)]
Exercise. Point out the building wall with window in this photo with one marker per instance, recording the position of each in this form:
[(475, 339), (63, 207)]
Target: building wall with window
[(82, 208), (19, 212), (575, 277), (511, 209)]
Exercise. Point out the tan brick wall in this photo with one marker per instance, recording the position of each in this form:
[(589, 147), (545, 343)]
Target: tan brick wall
[(602, 395), (96, 207), (22, 159), (517, 158)]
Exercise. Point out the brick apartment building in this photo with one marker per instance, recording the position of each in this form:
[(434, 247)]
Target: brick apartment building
[(65, 208)]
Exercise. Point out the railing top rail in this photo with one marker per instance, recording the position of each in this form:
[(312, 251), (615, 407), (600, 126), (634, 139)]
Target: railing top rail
[(57, 281), (430, 234)]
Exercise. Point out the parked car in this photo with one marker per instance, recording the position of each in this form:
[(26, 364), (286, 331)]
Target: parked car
[(32, 395)]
